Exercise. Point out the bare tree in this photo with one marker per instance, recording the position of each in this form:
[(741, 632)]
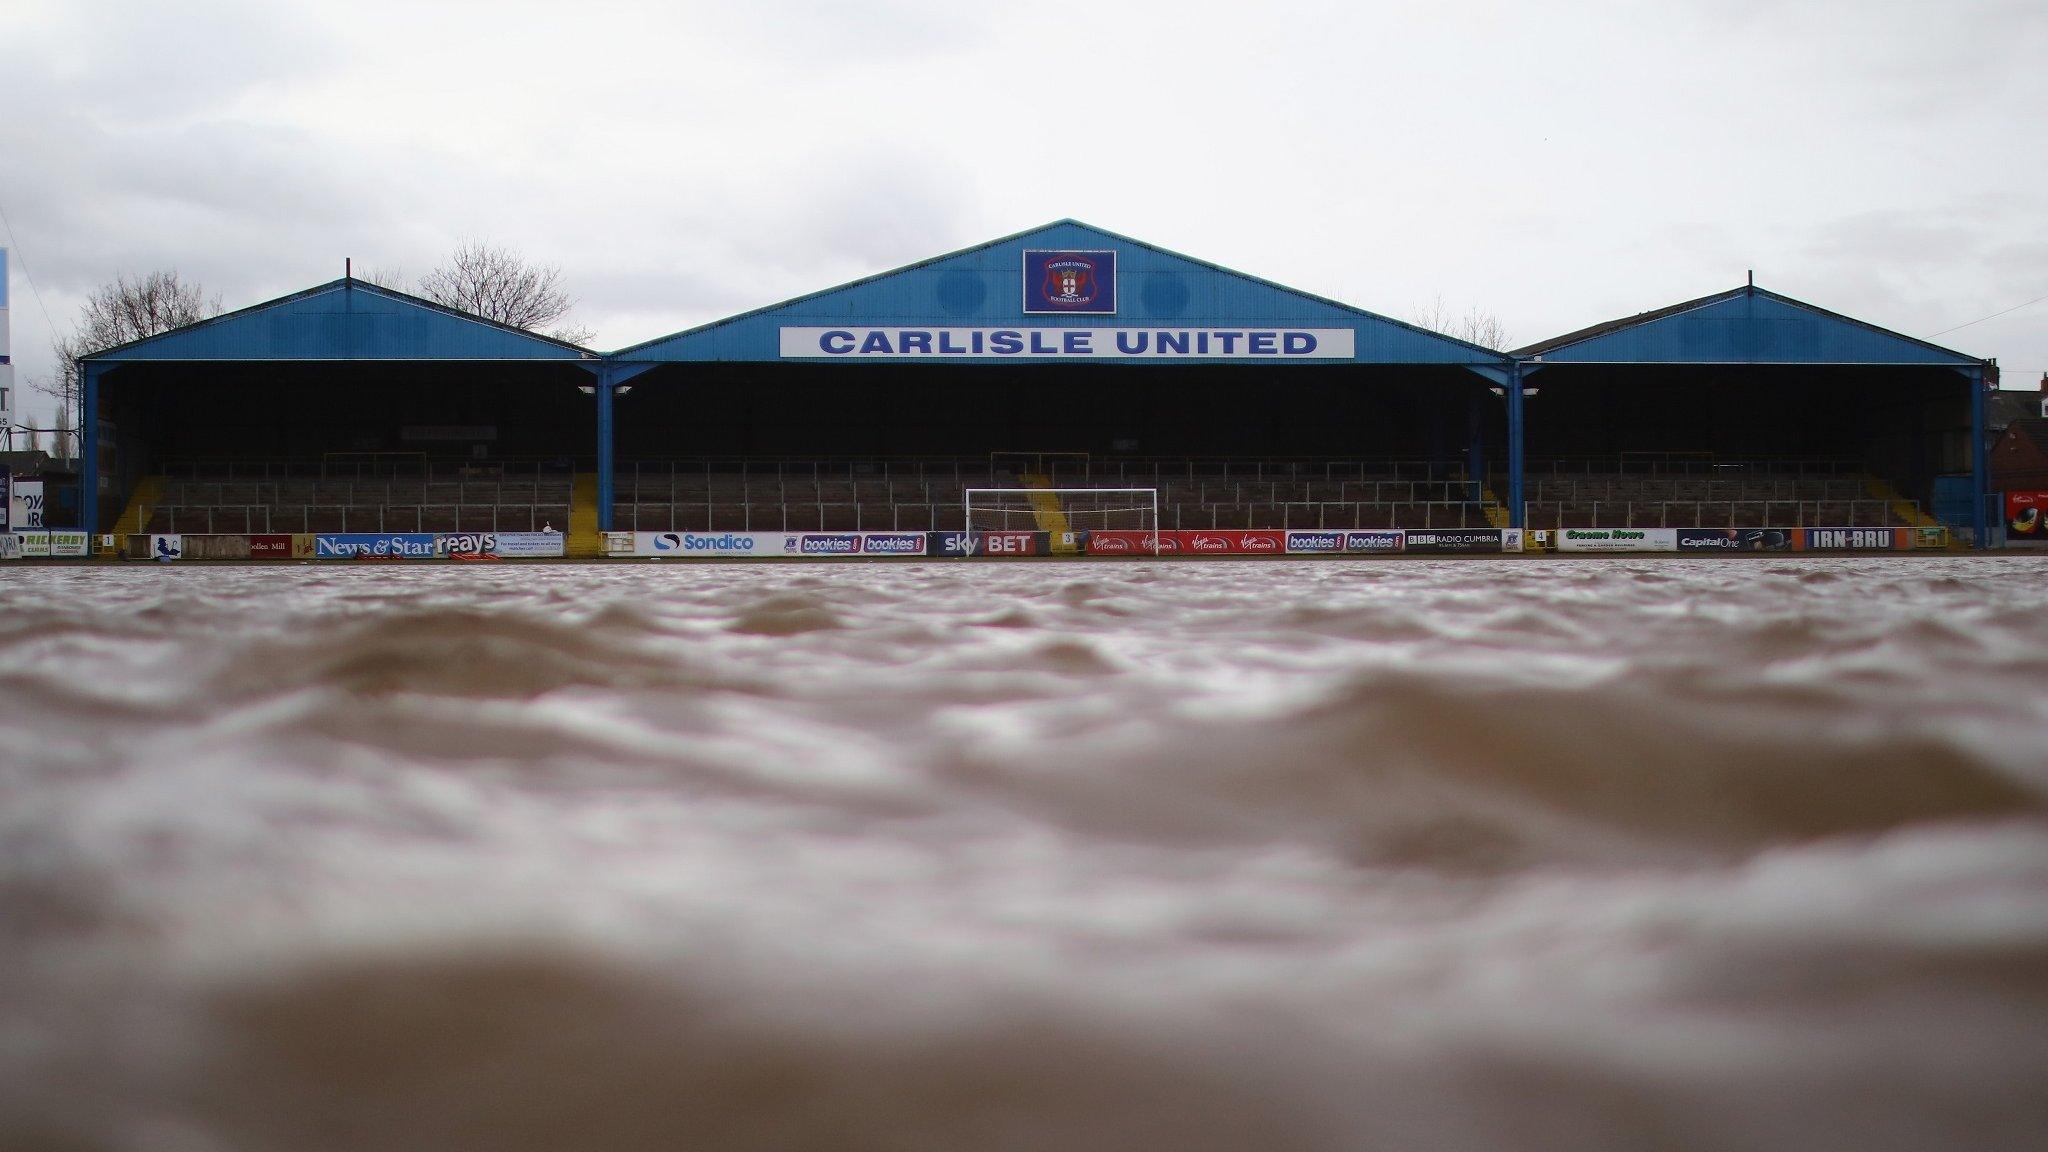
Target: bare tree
[(117, 313), (62, 442), (499, 284), (1476, 326)]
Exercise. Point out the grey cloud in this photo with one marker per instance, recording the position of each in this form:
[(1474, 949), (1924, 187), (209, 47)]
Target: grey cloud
[(1904, 59), (161, 62), (854, 35), (731, 156), (830, 218)]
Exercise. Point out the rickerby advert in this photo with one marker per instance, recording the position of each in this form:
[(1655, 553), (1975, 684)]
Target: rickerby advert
[(40, 543)]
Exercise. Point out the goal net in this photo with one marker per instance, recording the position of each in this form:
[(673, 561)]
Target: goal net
[(1067, 513)]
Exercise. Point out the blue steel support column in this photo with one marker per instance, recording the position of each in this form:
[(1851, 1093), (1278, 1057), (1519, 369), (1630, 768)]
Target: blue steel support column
[(1980, 462), (1515, 445), (1475, 444), (604, 448), (89, 454)]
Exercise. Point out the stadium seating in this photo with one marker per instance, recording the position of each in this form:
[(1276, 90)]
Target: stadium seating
[(903, 495), (813, 495), (1701, 494), (921, 495), (307, 497)]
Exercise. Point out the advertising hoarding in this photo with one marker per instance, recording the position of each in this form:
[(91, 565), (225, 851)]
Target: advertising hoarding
[(38, 542), (1853, 539), (741, 545), (499, 545), (713, 544), (1456, 540), (1000, 545), (374, 546), (1734, 539), (1616, 540), (2026, 516)]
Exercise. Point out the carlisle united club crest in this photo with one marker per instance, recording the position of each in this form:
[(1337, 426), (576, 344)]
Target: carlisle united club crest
[(1070, 281)]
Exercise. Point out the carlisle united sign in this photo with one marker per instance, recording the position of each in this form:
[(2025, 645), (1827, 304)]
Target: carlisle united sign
[(1066, 343), (1081, 282)]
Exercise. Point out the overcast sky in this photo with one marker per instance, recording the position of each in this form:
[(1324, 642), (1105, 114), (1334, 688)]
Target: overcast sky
[(1555, 164)]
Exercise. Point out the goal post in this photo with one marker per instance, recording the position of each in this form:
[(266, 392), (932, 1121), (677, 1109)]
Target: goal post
[(1068, 511)]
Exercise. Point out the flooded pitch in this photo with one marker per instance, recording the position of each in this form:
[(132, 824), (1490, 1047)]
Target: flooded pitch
[(1336, 855)]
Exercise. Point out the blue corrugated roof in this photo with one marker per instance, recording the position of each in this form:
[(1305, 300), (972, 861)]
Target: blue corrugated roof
[(1746, 325), (984, 286), (345, 320)]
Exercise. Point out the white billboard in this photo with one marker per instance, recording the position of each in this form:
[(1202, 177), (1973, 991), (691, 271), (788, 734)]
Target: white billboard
[(25, 506)]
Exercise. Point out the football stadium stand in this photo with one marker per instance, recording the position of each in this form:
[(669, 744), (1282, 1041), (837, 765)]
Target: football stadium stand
[(1063, 357)]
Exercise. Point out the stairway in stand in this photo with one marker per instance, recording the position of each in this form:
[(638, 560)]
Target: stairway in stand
[(1051, 517), (135, 518), (585, 541)]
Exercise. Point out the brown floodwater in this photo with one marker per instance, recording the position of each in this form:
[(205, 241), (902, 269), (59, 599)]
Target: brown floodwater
[(1514, 854)]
